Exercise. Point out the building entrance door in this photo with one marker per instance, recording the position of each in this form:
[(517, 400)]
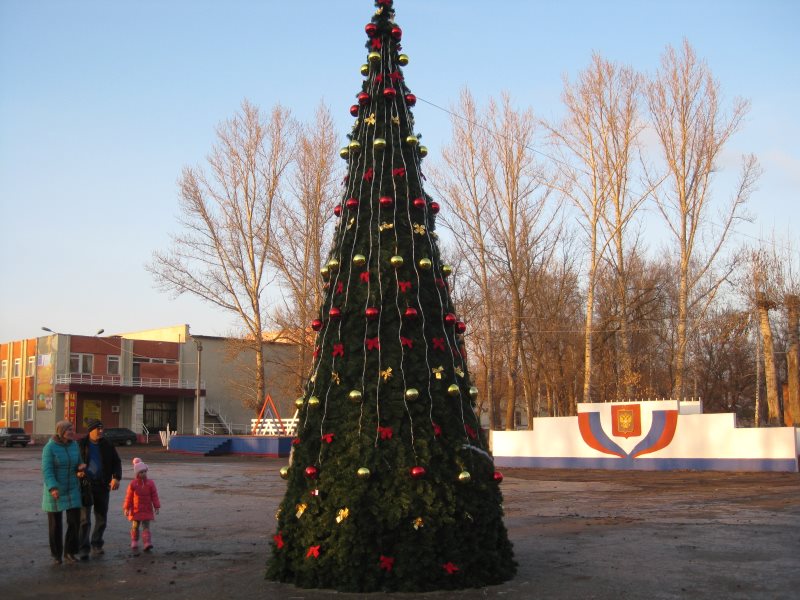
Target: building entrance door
[(157, 415)]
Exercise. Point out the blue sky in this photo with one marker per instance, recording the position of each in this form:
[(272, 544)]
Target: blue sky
[(102, 103)]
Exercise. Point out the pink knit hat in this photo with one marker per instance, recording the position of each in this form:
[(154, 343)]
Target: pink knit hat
[(138, 466)]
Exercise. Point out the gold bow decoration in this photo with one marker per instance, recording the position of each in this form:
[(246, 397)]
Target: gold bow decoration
[(418, 523), (396, 120), (386, 374), (419, 229), (459, 372), (335, 377), (384, 226), (342, 514), (301, 508), (370, 120), (437, 372)]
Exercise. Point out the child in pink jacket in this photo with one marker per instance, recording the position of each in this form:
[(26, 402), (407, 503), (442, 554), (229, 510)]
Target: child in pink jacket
[(141, 505)]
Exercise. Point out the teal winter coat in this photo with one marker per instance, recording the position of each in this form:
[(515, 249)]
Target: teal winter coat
[(59, 470)]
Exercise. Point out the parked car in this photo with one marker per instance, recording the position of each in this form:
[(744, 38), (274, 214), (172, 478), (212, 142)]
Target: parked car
[(14, 435), (119, 436)]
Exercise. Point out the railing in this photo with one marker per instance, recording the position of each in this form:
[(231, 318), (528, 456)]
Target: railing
[(118, 381)]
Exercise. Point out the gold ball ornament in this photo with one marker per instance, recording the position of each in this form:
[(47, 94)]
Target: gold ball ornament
[(284, 472), (447, 270), (365, 69), (423, 151), (333, 265), (464, 477), (452, 390), (412, 140), (359, 260), (344, 153), (379, 143), (299, 403), (363, 473), (412, 394), (355, 396), (473, 392), (374, 57), (402, 60), (354, 147), (425, 264), (325, 272), (313, 401), (396, 261)]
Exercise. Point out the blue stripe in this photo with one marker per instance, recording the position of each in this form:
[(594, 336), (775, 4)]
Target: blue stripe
[(650, 464), (600, 435), (656, 429)]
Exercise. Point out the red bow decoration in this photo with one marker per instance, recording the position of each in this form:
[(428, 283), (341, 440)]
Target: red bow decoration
[(369, 174), (399, 172), (385, 432), (396, 76), (450, 568), (470, 431), (338, 350), (365, 277), (296, 441), (404, 285), (313, 551), (406, 342), (327, 438), (376, 44), (384, 2), (340, 287), (379, 77), (437, 430), (316, 352), (373, 343), (387, 562), (345, 178), (278, 540), (438, 344), (440, 282)]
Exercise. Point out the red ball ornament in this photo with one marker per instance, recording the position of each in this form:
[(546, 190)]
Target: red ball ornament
[(461, 327), (371, 29), (363, 98), (372, 313), (418, 203), (410, 313), (352, 203), (417, 472), (311, 472), (337, 210), (397, 33), (498, 477), (389, 93), (386, 201), (411, 99), (434, 207), (334, 313), (450, 319), (354, 110), (316, 324)]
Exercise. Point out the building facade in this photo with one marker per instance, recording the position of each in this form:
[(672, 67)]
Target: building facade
[(147, 381)]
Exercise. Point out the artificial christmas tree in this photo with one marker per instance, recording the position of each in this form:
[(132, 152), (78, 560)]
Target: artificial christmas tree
[(390, 486)]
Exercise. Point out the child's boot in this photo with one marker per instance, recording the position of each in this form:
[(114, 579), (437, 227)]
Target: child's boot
[(135, 540), (146, 540)]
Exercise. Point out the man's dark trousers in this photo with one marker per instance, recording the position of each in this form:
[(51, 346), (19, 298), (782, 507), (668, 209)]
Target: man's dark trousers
[(100, 496)]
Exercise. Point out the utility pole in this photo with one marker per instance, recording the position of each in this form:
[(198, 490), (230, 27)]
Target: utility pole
[(197, 415)]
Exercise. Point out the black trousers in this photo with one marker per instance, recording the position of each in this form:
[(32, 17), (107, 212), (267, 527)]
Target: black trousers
[(100, 496), (59, 544)]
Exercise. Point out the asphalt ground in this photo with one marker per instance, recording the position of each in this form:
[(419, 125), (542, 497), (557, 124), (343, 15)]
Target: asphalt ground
[(577, 534)]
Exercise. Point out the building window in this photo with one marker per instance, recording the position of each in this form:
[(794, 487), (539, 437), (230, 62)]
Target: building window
[(29, 410), (3, 409), (4, 369), (15, 413), (31, 367), (81, 363), (17, 367), (113, 365)]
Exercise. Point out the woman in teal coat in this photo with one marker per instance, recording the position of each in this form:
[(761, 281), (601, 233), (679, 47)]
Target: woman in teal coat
[(61, 465)]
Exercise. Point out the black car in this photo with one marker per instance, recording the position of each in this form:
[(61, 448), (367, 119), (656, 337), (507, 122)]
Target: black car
[(119, 436), (10, 436)]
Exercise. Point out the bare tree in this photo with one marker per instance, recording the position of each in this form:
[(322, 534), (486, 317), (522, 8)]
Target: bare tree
[(301, 230), (226, 214), (692, 130), (597, 140)]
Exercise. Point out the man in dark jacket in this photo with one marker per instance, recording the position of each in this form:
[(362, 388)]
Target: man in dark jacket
[(104, 470)]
